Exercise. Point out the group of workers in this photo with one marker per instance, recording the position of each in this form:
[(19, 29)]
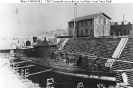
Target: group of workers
[(65, 55), (60, 55)]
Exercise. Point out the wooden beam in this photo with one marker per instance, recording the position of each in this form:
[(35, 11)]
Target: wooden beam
[(38, 72), (21, 62), (24, 66)]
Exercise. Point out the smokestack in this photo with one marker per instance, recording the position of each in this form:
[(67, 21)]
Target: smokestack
[(129, 22), (28, 43), (116, 23), (34, 39), (122, 23), (45, 39)]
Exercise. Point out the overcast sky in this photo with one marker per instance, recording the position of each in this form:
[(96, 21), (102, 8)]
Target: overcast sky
[(35, 18)]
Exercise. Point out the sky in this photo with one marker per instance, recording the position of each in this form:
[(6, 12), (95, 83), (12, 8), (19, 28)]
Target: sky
[(20, 19)]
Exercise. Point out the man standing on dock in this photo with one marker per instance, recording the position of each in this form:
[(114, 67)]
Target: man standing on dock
[(67, 59)]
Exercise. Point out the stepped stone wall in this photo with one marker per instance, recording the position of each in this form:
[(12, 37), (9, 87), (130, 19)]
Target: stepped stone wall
[(103, 47)]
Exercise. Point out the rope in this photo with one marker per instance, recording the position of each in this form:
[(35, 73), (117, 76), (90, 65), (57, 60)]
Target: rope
[(66, 18), (26, 18), (17, 12), (7, 17)]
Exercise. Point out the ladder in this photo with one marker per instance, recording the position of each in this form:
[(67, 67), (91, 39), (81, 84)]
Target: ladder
[(120, 48), (63, 44)]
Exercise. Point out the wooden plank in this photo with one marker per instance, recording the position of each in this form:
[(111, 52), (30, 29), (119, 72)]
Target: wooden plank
[(38, 72), (125, 61), (127, 70), (25, 66), (21, 62)]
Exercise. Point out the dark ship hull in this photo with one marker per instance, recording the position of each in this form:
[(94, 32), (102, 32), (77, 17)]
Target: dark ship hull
[(71, 70)]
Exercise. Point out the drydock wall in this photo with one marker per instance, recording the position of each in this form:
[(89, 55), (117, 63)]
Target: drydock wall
[(105, 47)]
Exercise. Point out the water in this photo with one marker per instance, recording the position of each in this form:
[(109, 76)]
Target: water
[(60, 80)]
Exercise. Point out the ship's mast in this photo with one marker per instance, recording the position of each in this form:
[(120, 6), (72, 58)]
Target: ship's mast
[(75, 16), (123, 19)]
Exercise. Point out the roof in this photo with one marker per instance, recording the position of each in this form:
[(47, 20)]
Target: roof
[(44, 43), (92, 16)]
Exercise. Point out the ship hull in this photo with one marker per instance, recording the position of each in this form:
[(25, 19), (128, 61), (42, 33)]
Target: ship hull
[(73, 70)]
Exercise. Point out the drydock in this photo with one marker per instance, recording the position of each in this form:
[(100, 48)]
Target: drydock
[(43, 77), (93, 52)]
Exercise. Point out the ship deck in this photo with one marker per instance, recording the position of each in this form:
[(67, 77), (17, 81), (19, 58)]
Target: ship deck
[(70, 69)]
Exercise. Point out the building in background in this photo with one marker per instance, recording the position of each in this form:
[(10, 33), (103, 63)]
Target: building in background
[(121, 29), (61, 32), (94, 25)]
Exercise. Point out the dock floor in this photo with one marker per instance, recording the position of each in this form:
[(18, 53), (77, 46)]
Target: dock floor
[(7, 78)]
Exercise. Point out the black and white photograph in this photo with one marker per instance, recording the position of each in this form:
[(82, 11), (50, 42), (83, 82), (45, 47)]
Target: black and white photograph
[(66, 45)]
